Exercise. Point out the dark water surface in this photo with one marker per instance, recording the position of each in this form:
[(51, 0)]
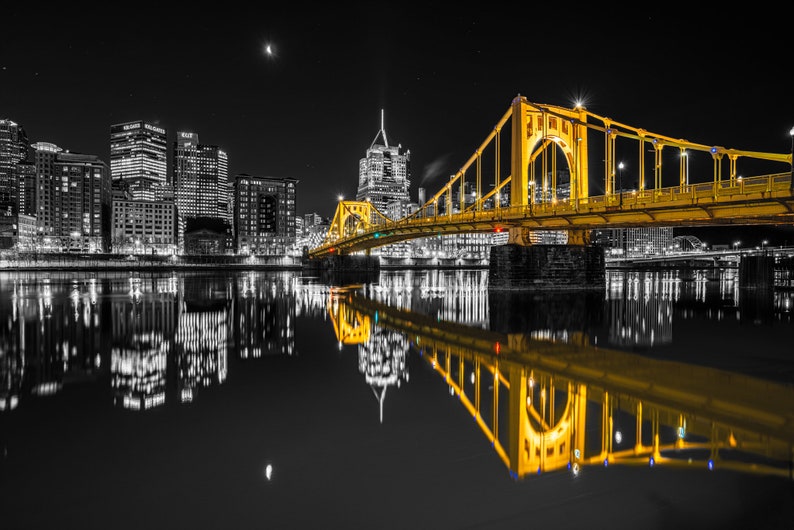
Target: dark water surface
[(270, 400)]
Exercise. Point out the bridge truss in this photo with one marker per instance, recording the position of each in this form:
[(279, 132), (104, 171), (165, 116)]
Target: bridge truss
[(522, 190)]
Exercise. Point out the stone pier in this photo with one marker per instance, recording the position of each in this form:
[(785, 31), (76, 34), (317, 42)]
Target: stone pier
[(757, 271), (343, 269), (546, 267)]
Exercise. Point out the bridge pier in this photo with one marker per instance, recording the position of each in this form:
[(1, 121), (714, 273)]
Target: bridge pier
[(549, 267), (343, 268), (757, 271)]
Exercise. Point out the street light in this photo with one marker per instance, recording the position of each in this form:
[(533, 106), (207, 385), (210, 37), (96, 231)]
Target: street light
[(620, 181)]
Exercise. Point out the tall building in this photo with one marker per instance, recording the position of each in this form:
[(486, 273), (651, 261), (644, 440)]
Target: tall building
[(73, 200), (201, 180), (138, 156), (14, 148), (384, 174), (264, 214)]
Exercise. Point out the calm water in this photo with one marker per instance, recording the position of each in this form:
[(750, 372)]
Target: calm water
[(420, 400)]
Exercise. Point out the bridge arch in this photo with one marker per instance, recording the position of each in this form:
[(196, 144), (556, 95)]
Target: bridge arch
[(535, 129), (687, 243)]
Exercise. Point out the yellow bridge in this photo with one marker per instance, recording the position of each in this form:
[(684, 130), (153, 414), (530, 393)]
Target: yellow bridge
[(643, 411), (518, 191)]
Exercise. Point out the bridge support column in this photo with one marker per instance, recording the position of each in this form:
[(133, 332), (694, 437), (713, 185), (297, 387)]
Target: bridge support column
[(515, 266), (354, 268), (757, 271)]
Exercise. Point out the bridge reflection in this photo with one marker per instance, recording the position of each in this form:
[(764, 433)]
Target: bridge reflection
[(548, 404)]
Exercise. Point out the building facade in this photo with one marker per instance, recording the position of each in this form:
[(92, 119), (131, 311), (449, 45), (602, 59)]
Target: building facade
[(14, 148), (73, 200), (144, 227), (201, 179), (138, 156), (384, 174), (264, 214)]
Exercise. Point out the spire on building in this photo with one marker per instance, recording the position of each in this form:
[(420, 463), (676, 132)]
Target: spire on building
[(381, 132)]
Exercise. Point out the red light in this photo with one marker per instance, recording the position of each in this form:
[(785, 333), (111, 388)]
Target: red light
[(332, 249), (497, 229), (498, 348)]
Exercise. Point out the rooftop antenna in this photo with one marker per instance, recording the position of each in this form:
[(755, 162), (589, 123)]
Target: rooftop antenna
[(381, 132)]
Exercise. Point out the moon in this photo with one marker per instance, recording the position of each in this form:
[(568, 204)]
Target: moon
[(269, 50)]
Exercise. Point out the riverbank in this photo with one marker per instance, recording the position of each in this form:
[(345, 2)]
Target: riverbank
[(94, 262)]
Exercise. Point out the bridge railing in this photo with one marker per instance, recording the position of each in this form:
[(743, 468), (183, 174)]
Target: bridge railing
[(725, 192)]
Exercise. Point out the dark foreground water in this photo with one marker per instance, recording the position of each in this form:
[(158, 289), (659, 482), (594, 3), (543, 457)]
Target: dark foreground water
[(419, 400)]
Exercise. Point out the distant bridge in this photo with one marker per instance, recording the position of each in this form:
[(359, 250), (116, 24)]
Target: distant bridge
[(521, 192)]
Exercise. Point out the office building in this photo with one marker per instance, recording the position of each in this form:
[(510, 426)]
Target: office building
[(384, 173), (14, 147), (138, 157), (264, 214), (200, 179)]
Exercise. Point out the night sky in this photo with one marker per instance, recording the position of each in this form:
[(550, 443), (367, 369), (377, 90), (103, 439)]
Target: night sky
[(442, 73)]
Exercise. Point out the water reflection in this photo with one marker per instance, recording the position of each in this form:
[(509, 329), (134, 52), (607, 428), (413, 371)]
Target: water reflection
[(547, 377), (557, 402), (136, 330)]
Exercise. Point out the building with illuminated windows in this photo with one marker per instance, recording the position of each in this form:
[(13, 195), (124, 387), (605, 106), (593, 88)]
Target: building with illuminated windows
[(634, 242), (14, 147), (264, 214), (201, 179), (73, 200), (384, 173), (138, 156), (141, 226)]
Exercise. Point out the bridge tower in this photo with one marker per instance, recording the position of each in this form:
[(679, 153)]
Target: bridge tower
[(536, 130)]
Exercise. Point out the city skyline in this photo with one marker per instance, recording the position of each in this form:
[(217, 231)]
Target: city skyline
[(308, 109)]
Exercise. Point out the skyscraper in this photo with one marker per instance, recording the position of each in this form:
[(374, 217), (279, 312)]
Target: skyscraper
[(138, 157), (201, 183), (14, 148), (384, 174)]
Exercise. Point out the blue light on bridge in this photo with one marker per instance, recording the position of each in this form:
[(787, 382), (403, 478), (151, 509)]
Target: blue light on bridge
[(711, 464), (651, 462)]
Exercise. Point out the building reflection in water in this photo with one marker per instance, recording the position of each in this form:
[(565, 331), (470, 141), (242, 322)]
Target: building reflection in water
[(549, 404), (46, 344), (454, 295), (143, 324), (265, 315), (382, 361), (143, 333), (382, 353)]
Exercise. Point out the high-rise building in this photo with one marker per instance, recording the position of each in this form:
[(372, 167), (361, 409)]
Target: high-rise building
[(200, 179), (14, 148), (264, 214), (138, 156), (384, 173), (73, 200)]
